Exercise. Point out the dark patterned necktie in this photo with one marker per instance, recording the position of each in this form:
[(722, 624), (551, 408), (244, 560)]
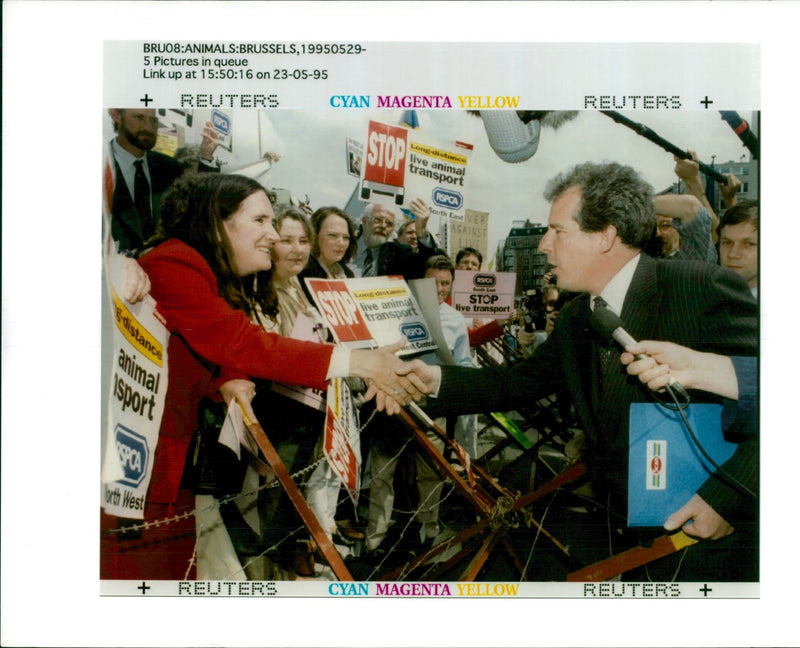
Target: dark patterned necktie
[(141, 199), (367, 269), (603, 346)]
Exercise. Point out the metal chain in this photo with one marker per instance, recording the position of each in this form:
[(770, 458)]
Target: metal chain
[(230, 498)]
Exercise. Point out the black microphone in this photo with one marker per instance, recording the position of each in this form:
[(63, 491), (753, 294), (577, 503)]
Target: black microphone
[(609, 325), (742, 129)]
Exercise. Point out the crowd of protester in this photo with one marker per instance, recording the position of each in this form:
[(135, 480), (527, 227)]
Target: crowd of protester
[(227, 267)]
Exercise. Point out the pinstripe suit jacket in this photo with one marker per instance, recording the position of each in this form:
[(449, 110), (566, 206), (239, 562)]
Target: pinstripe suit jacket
[(126, 226), (701, 306)]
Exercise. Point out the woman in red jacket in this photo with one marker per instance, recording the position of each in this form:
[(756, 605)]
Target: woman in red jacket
[(217, 234)]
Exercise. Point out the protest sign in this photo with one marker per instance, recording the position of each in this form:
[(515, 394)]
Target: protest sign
[(136, 401), (341, 441), (391, 311), (402, 164), (372, 311), (482, 294), (472, 232), (338, 308), (354, 153)]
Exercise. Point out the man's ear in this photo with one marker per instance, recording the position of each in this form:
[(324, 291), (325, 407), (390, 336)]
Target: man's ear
[(608, 237)]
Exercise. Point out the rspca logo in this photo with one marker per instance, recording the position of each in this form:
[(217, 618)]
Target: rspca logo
[(484, 280), (222, 123), (656, 470), (415, 332), (447, 198), (133, 454)]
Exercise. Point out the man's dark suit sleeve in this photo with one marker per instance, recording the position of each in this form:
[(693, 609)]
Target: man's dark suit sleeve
[(740, 425), (730, 327), (126, 227), (495, 389), (730, 315), (399, 259)]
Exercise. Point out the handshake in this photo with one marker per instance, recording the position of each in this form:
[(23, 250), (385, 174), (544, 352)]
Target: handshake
[(392, 381)]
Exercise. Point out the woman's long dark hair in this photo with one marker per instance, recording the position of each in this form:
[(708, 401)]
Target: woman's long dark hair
[(194, 210)]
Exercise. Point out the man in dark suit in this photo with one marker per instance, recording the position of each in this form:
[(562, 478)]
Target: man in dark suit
[(601, 216), (134, 215), (378, 256)]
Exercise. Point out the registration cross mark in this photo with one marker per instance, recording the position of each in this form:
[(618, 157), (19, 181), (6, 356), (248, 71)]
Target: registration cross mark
[(706, 101), (146, 99), (705, 589), (144, 587)]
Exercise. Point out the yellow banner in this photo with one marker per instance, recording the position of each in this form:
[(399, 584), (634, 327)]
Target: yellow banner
[(453, 158), (380, 294), (135, 333)]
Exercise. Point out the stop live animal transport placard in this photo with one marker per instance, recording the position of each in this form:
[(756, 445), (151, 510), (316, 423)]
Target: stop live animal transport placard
[(372, 311)]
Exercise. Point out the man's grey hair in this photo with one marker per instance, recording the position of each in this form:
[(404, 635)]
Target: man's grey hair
[(371, 207), (611, 194)]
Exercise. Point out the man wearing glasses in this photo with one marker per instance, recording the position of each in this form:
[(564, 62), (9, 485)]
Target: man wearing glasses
[(379, 256)]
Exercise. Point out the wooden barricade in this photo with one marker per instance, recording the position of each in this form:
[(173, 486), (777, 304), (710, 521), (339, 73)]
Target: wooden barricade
[(494, 504), (324, 543), (491, 500)]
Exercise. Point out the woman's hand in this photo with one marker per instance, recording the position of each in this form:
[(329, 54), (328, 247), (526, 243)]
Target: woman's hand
[(385, 373), (137, 283), (512, 317), (243, 391)]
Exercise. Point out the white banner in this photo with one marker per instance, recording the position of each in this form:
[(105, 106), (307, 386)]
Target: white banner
[(342, 440), (402, 164), (136, 402), (484, 294), (372, 311)]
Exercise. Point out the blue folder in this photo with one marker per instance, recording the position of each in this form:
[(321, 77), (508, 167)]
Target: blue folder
[(665, 467)]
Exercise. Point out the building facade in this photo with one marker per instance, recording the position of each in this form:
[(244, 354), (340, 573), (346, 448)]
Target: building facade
[(744, 169), (519, 252)]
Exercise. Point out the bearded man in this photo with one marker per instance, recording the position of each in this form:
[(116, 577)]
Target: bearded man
[(142, 175), (378, 256)]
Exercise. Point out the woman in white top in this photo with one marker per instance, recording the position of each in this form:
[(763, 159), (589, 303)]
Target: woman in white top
[(288, 310), (284, 301)]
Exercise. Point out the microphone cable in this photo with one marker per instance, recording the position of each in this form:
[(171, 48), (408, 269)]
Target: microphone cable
[(606, 322), (680, 407)]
